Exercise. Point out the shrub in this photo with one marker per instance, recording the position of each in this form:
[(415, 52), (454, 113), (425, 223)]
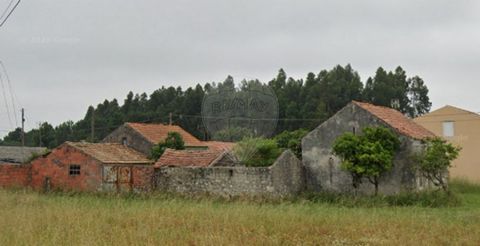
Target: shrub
[(257, 152), (435, 159)]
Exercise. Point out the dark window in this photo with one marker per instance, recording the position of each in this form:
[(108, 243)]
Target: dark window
[(74, 170), (124, 141), (354, 131)]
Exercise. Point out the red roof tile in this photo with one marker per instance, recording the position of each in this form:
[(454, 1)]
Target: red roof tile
[(396, 120), (110, 152), (217, 145), (188, 158), (158, 132)]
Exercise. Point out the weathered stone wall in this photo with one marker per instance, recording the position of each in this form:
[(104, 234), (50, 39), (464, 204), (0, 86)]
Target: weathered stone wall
[(14, 174), (284, 178), (323, 172), (134, 140)]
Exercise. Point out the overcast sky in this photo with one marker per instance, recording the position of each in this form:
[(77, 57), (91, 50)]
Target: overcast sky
[(63, 56)]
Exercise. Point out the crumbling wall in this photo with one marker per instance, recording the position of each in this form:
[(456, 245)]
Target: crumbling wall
[(284, 178), (14, 175)]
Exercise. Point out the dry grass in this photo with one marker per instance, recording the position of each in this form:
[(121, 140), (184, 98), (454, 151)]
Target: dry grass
[(29, 218)]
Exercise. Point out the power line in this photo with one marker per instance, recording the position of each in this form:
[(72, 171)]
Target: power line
[(6, 101), (5, 11), (12, 94), (10, 13)]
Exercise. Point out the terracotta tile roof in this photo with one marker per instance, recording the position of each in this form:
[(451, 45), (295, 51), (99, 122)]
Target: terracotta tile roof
[(217, 145), (158, 132), (111, 152), (188, 158), (397, 120)]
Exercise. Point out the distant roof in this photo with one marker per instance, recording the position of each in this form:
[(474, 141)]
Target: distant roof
[(396, 120), (18, 154), (217, 145), (112, 153), (188, 158), (440, 112), (158, 132)]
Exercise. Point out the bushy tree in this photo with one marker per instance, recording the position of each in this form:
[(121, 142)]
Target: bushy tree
[(303, 103), (173, 141), (369, 155), (292, 140), (435, 159)]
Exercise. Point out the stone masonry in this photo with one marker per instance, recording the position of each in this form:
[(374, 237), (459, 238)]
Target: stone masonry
[(283, 179)]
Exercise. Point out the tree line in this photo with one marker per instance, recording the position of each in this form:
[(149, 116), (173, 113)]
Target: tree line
[(303, 103)]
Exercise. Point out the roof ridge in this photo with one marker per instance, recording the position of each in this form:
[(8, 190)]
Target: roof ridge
[(397, 120)]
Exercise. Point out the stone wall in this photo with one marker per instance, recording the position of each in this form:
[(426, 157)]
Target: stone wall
[(323, 169), (283, 179), (14, 175)]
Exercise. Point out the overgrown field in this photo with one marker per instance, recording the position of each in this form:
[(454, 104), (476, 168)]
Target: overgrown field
[(28, 218)]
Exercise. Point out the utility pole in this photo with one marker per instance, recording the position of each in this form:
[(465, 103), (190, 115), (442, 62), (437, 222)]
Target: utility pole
[(23, 127), (39, 134), (170, 118), (92, 126)]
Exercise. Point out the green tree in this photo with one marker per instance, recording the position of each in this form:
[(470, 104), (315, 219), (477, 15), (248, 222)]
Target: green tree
[(173, 141), (292, 140), (418, 93), (13, 138), (369, 155), (435, 159)]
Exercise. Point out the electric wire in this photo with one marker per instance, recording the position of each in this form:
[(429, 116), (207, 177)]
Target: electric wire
[(13, 96), (10, 13), (6, 101)]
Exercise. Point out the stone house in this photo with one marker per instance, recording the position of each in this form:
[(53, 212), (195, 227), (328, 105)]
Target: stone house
[(142, 137), (92, 167), (323, 172)]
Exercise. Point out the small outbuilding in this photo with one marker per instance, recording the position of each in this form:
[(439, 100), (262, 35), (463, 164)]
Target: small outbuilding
[(323, 169), (142, 137), (92, 167)]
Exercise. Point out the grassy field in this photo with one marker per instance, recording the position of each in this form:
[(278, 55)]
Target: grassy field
[(28, 218)]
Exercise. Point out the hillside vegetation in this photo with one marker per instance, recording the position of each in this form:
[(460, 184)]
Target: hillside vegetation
[(303, 103), (30, 218)]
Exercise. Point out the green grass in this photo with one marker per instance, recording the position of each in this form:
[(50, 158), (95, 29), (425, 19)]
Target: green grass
[(29, 218)]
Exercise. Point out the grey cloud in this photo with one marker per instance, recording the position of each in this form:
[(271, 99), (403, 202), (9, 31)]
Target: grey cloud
[(65, 55)]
